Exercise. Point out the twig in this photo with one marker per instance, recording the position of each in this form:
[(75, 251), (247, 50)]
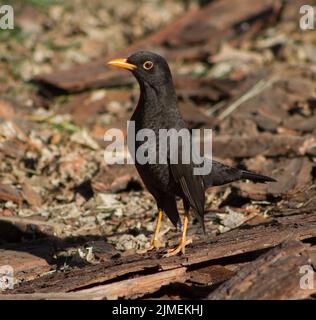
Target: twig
[(255, 90)]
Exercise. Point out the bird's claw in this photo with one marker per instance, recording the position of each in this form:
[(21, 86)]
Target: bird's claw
[(179, 248)]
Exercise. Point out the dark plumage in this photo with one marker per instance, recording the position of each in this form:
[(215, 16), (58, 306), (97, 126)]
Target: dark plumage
[(157, 109)]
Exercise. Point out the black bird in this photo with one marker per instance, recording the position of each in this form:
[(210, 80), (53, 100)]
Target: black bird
[(157, 109)]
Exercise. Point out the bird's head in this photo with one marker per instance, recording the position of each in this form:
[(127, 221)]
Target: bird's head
[(147, 67)]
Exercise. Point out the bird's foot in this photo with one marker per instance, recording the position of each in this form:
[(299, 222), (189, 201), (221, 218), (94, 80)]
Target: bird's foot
[(179, 248), (154, 245), (154, 242)]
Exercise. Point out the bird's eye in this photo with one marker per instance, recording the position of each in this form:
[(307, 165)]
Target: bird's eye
[(148, 65)]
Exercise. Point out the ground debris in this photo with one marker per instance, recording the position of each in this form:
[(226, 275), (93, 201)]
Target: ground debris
[(71, 224)]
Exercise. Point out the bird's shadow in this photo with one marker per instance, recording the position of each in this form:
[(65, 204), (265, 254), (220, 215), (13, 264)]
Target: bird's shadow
[(45, 246)]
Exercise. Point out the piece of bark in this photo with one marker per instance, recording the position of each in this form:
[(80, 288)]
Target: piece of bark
[(102, 250), (193, 116), (32, 197), (300, 123), (292, 175), (7, 109), (264, 144), (13, 148), (137, 287), (230, 244), (204, 89), (131, 288), (9, 193), (224, 87), (11, 109), (14, 229), (116, 178), (125, 183), (265, 122), (274, 275), (210, 275), (28, 261), (84, 107)]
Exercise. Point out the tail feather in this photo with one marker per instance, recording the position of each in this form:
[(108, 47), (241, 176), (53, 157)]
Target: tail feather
[(222, 174), (256, 177)]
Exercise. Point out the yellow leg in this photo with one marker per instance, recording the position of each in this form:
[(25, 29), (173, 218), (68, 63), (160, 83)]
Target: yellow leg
[(154, 242), (183, 241)]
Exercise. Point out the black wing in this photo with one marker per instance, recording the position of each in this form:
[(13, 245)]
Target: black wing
[(192, 187)]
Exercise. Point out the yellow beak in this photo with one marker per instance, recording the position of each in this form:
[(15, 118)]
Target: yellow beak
[(122, 63)]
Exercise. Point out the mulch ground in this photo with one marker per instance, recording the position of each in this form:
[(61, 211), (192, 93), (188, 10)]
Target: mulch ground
[(70, 224)]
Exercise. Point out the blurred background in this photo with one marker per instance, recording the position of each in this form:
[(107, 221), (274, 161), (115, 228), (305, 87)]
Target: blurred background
[(244, 68)]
